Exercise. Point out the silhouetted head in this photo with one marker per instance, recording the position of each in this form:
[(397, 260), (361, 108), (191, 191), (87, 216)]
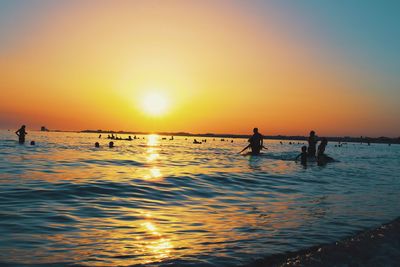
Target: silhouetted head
[(255, 130), (97, 144), (32, 143), (312, 133), (23, 127), (304, 149), (111, 144)]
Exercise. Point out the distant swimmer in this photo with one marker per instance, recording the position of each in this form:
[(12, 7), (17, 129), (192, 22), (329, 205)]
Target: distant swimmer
[(111, 144), (96, 145), (312, 144), (33, 143), (129, 138), (196, 142), (256, 143), (21, 134), (322, 158), (99, 135), (303, 156)]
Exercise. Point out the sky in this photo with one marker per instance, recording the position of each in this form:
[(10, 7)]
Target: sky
[(216, 66)]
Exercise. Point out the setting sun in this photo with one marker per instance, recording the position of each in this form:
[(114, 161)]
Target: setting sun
[(154, 104)]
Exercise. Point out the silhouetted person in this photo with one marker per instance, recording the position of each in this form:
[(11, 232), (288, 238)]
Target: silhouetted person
[(256, 142), (312, 144), (100, 136), (130, 138), (33, 143), (196, 142), (96, 145), (111, 144), (303, 156), (21, 134), (322, 158)]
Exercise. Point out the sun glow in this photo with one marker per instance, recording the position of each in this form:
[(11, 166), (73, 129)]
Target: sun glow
[(155, 103)]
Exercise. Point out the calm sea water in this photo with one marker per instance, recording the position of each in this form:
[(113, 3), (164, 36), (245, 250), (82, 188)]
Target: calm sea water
[(154, 201)]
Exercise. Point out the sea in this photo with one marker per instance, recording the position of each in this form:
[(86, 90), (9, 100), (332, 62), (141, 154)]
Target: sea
[(154, 201)]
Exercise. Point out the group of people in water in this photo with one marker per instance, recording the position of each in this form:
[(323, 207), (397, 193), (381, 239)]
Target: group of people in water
[(256, 144), (310, 153)]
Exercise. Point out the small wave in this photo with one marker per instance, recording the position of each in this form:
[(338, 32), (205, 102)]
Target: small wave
[(116, 162)]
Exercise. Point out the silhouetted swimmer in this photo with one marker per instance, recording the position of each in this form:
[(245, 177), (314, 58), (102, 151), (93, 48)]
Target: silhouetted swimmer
[(322, 158), (21, 134), (130, 138), (172, 138), (256, 143), (196, 142), (97, 145), (303, 156), (281, 142), (231, 141), (312, 144), (33, 143), (99, 135), (111, 144), (108, 137)]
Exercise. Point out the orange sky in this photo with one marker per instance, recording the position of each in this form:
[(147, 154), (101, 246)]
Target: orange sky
[(225, 68)]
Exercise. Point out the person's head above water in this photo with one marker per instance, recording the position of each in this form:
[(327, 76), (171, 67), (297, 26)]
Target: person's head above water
[(111, 144), (32, 143), (96, 144), (304, 149), (255, 130)]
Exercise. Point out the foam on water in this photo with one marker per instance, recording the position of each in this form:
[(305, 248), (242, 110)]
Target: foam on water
[(159, 201)]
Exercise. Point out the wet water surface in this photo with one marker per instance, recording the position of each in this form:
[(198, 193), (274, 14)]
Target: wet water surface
[(171, 201)]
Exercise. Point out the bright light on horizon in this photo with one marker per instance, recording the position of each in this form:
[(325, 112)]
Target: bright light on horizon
[(154, 103)]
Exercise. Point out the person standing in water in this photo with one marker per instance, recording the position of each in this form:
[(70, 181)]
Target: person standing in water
[(303, 156), (256, 142), (21, 134), (312, 144)]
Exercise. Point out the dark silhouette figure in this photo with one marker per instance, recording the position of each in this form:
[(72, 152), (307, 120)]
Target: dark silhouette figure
[(33, 143), (322, 158), (111, 144), (312, 144), (21, 134), (256, 142), (99, 135), (96, 145), (303, 156), (130, 138), (196, 142)]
